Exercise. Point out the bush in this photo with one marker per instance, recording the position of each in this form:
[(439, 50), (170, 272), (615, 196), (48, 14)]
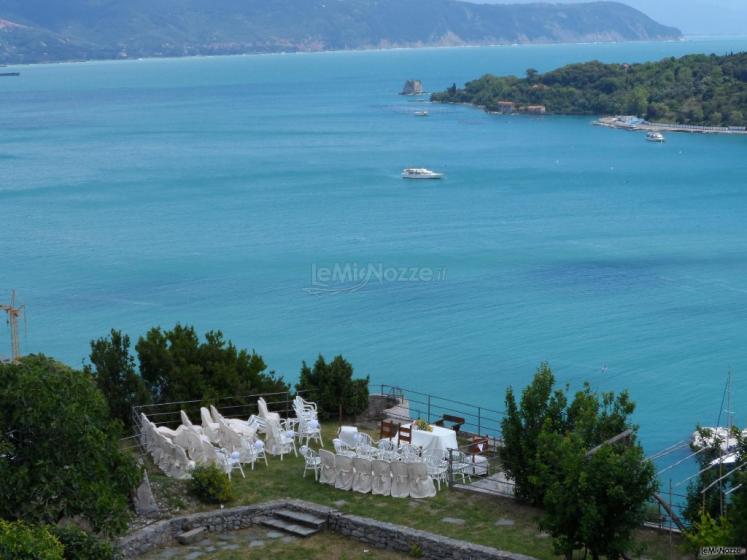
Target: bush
[(210, 484), (61, 456), (80, 545), (332, 387), (19, 541)]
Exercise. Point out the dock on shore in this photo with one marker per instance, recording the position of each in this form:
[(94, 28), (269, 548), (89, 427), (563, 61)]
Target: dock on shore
[(636, 124)]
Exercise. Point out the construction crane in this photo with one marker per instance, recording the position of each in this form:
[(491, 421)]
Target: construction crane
[(13, 313)]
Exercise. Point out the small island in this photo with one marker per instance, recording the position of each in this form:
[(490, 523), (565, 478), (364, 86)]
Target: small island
[(695, 90)]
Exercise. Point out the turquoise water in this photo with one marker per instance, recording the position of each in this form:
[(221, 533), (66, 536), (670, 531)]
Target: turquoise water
[(143, 193)]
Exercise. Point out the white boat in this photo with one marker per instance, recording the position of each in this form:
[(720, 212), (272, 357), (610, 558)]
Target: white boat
[(421, 113), (420, 173), (654, 136)]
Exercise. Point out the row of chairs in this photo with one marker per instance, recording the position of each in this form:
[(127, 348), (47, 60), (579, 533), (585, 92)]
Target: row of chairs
[(362, 474)]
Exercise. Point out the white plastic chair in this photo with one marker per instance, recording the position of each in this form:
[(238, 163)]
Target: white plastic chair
[(381, 484), (234, 462), (327, 473), (436, 468), (363, 477), (400, 480), (312, 461), (344, 470), (460, 465), (341, 448), (421, 485), (310, 429)]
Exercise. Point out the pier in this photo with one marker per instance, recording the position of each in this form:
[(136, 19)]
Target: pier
[(636, 124)]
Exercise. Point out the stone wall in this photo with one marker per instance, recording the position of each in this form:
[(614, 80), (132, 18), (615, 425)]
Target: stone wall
[(377, 534)]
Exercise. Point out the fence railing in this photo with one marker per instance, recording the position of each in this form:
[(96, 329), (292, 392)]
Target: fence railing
[(478, 420)]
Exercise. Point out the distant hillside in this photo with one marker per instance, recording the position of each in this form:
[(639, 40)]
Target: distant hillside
[(55, 30), (695, 89)]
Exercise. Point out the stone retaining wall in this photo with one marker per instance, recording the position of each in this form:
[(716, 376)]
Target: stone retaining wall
[(377, 534)]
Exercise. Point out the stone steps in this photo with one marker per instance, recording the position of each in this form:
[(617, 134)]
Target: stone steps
[(301, 518), (289, 527)]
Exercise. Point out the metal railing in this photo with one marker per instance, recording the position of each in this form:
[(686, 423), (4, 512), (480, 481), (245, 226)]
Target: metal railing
[(478, 420)]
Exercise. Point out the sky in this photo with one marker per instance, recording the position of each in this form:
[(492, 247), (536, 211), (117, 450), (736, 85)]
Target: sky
[(692, 17)]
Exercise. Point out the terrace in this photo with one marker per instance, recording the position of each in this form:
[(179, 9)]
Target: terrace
[(484, 517)]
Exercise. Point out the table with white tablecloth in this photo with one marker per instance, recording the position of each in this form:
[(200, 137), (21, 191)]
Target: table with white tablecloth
[(438, 439)]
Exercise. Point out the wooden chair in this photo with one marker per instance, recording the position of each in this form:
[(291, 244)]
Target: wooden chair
[(404, 435), (388, 429)]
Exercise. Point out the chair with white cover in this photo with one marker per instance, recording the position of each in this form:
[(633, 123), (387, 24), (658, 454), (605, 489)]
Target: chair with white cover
[(327, 474), (187, 423), (259, 452), (279, 442), (344, 470), (381, 484), (241, 427), (264, 412), (311, 460), (363, 477), (400, 480), (421, 485), (209, 427)]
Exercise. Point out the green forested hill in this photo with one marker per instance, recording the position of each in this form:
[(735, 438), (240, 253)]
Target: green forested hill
[(51, 30), (695, 89)]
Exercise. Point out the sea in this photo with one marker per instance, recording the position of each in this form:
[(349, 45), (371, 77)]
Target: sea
[(261, 196)]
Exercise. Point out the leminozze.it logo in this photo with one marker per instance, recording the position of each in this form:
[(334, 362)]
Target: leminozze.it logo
[(345, 278), (712, 551)]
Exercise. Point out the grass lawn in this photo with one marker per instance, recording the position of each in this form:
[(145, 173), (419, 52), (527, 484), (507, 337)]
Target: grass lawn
[(283, 479)]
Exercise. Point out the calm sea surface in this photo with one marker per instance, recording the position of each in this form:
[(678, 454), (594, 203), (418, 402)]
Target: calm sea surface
[(210, 191)]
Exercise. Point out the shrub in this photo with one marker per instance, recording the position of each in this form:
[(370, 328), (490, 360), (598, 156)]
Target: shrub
[(80, 545), (211, 485), (19, 541), (61, 456), (332, 387)]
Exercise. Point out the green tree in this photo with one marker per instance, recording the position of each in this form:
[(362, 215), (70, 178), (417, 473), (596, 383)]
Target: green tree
[(541, 408), (113, 368), (709, 502), (178, 367), (62, 456), (707, 531), (332, 387), (19, 541), (596, 492)]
